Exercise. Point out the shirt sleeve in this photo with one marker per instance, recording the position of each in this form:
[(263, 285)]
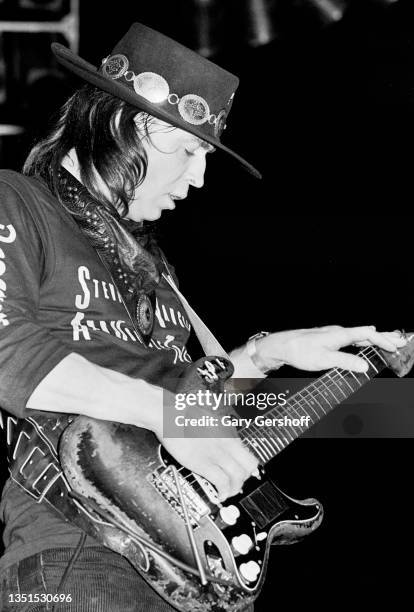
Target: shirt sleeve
[(28, 351)]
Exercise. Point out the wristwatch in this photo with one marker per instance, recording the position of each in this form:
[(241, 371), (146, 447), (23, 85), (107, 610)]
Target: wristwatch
[(253, 354)]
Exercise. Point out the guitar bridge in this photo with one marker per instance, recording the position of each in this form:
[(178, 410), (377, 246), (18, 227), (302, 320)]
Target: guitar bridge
[(164, 481)]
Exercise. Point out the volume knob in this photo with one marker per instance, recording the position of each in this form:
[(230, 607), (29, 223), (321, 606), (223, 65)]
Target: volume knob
[(229, 514), (250, 570), (242, 544)]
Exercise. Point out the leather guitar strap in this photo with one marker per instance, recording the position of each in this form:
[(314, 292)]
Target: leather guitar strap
[(208, 341), (34, 466)]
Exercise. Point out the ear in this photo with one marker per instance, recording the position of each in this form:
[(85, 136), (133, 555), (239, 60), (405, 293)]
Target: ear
[(146, 124)]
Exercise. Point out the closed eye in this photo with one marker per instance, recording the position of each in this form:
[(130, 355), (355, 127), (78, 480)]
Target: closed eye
[(199, 144), (207, 147)]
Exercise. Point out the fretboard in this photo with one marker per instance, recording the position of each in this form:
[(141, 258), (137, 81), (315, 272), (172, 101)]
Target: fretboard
[(314, 401)]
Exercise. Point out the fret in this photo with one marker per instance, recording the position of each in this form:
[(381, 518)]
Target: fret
[(266, 436), (266, 446), (288, 431), (324, 393), (314, 395), (321, 391), (266, 441), (271, 437), (298, 414), (277, 443), (338, 390), (282, 442), (336, 383), (297, 410), (290, 406), (370, 364), (301, 411), (263, 446), (345, 388), (282, 438), (290, 412), (310, 402), (362, 378), (257, 449), (344, 379), (267, 453), (380, 356), (353, 377), (312, 422)]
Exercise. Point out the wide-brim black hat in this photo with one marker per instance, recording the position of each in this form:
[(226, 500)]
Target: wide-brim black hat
[(165, 79)]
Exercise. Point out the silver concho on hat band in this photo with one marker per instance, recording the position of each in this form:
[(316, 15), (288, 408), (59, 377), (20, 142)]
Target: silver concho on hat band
[(220, 123), (194, 109), (153, 87), (115, 66), (145, 315)]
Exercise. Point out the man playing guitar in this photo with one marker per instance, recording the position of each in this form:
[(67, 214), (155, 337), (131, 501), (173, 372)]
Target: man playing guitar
[(90, 325)]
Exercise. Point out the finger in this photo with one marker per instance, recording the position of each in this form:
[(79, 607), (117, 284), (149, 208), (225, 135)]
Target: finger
[(235, 473), (328, 328), (396, 337), (244, 457), (346, 361), (386, 341), (363, 334), (218, 479)]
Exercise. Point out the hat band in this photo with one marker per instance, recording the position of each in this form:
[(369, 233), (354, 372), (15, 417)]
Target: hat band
[(153, 87)]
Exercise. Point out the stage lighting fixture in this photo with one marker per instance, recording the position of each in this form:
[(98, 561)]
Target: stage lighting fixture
[(260, 28), (330, 10)]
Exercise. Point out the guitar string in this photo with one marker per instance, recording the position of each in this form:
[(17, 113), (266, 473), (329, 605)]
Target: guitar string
[(332, 377), (326, 391), (327, 388)]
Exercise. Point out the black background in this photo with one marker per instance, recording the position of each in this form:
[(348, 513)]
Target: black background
[(324, 238)]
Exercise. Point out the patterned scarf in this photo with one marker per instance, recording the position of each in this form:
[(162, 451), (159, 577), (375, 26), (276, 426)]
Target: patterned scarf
[(128, 250)]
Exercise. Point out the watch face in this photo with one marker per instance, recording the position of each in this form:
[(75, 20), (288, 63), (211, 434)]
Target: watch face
[(145, 315)]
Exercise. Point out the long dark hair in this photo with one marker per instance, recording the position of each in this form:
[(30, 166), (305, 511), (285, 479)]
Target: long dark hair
[(103, 130)]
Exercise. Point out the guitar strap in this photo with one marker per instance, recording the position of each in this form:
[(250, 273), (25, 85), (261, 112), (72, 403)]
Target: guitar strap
[(34, 466), (208, 341)]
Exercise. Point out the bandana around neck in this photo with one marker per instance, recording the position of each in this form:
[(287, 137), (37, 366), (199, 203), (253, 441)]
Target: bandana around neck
[(130, 253)]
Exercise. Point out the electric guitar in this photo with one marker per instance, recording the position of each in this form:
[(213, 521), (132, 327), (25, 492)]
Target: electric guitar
[(198, 554)]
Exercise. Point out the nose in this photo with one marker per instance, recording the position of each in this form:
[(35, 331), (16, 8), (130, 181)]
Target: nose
[(196, 169)]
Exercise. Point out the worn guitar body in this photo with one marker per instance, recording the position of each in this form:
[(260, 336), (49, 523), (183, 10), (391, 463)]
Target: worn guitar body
[(126, 471), (198, 554)]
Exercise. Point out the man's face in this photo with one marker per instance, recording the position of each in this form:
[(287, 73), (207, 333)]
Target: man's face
[(176, 160)]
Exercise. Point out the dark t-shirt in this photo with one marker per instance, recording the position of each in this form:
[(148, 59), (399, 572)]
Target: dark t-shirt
[(56, 297)]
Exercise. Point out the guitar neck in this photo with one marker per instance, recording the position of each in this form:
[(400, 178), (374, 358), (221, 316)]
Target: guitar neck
[(308, 406)]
